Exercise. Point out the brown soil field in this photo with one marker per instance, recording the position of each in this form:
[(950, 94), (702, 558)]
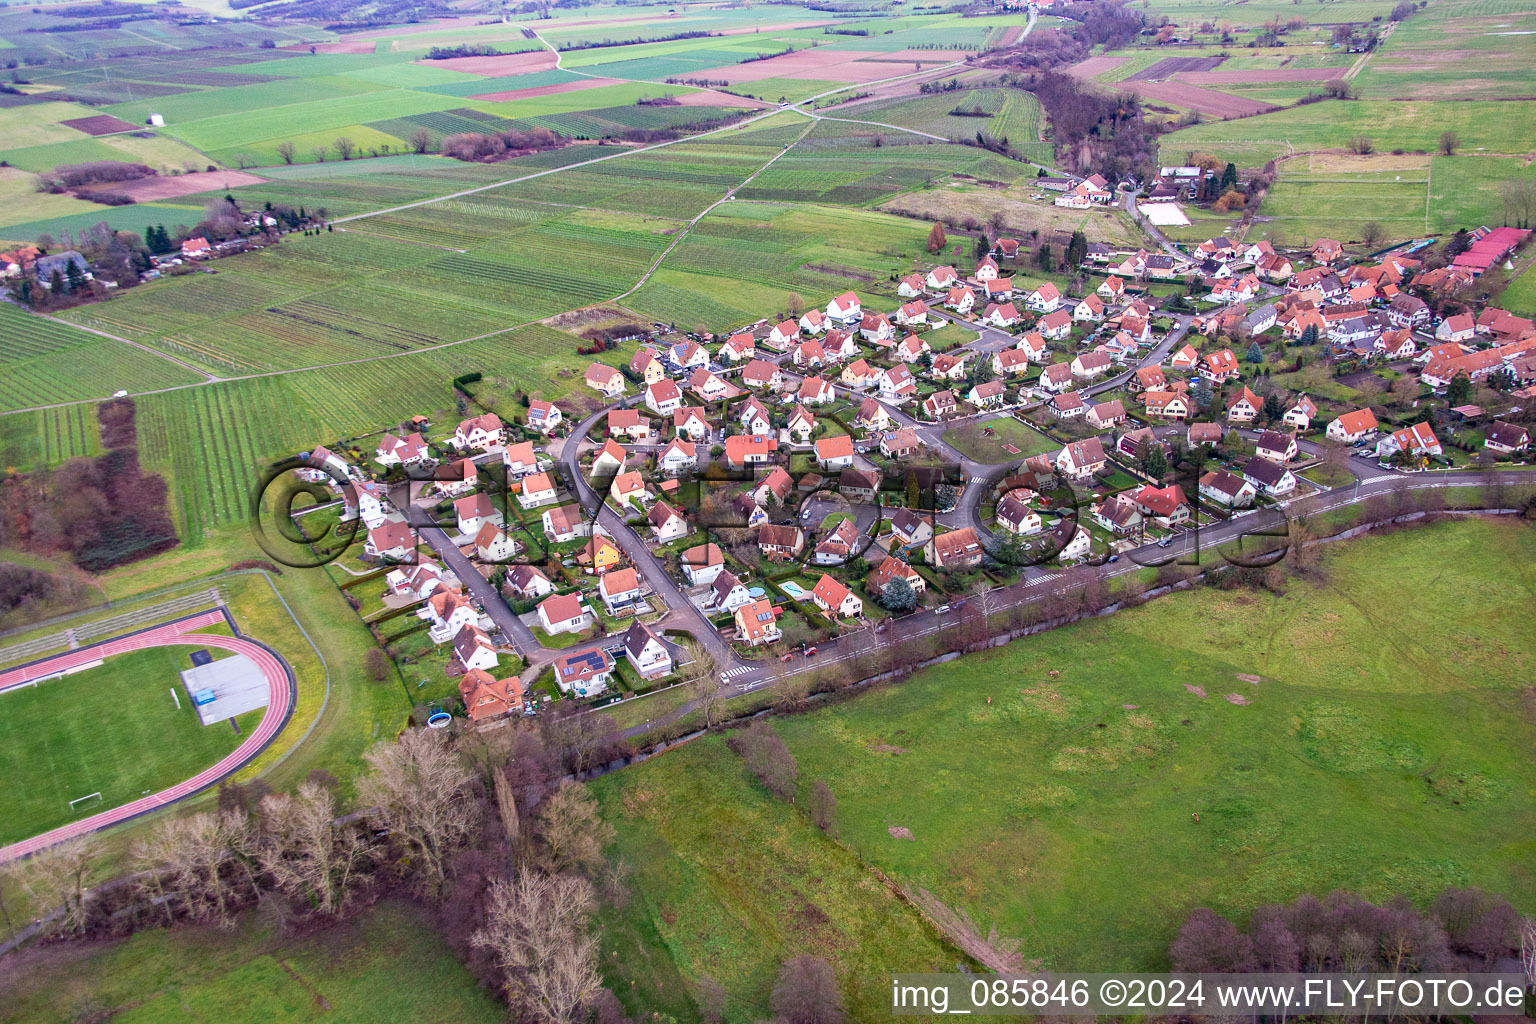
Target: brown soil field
[(1207, 101), (101, 124), (1169, 66), (545, 90), (1255, 76), (1095, 66), (167, 186), (712, 98), (819, 62), (1011, 36), (495, 67)]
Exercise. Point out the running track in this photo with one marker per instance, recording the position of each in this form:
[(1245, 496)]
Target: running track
[(279, 707)]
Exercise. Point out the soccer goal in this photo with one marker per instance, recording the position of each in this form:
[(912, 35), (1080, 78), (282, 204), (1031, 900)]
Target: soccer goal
[(82, 799)]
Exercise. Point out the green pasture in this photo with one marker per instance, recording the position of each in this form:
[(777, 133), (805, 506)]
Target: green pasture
[(1015, 115), (1381, 751), (1456, 50), (114, 729), (389, 965)]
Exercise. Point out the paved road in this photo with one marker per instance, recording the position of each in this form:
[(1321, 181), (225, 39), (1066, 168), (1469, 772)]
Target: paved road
[(483, 590)]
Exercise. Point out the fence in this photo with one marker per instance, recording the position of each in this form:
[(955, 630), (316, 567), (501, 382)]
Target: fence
[(110, 626)]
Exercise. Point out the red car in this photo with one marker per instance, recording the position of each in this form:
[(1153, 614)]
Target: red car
[(810, 652)]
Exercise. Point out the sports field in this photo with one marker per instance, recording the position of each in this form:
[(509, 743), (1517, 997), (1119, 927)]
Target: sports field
[(113, 730), (1381, 750)]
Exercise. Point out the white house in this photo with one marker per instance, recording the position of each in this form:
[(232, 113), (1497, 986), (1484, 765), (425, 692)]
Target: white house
[(678, 458), (563, 613), (664, 397), (1044, 299), (845, 309), (544, 417), (1352, 426), (538, 489), (474, 511), (645, 652)]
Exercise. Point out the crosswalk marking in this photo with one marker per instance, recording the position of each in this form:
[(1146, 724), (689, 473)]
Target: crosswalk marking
[(738, 670)]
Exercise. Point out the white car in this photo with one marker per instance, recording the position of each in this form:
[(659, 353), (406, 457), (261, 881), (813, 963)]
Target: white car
[(119, 394)]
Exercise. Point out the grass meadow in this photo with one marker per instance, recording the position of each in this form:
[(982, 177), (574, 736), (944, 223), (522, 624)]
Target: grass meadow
[(114, 730), (388, 965), (1382, 750), (1015, 115), (1457, 50)]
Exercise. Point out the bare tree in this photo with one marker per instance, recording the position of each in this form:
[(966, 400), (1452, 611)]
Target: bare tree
[(420, 140), (419, 790), (1449, 143), (536, 932), (584, 740), (286, 151), (1372, 232), (55, 877), (1528, 950), (806, 992), (506, 807), (823, 806), (245, 160), (320, 153), (987, 600), (345, 147), (795, 304), (571, 834), (1361, 145), (308, 854), (706, 695), (791, 689), (768, 758)]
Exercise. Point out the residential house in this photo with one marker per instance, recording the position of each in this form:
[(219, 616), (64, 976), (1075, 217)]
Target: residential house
[(900, 443), (1508, 438), (601, 554), (486, 697), (1044, 299), (859, 374), (814, 322), (1219, 367), (474, 649), (960, 299), (564, 523), (1276, 446), (1261, 319), (726, 594), (738, 347), (986, 269), (631, 425), (1015, 515), (835, 452), (780, 543), (493, 546), (690, 423), (808, 355), (1185, 358), (845, 309), (1244, 406), (646, 365), (545, 417), (801, 424), (1168, 405), (391, 541), (1104, 415), (1056, 378), (1418, 439), (688, 355), (748, 511), (564, 613), (1160, 268), (783, 335), (620, 591), (762, 374), (1000, 314), (988, 395), (401, 451), (840, 345), (872, 416), (416, 580), (914, 312), (858, 485), (1068, 406), (1227, 489), (1460, 327), (835, 600), (678, 458), (1112, 289), (942, 277), (1090, 365), (949, 365), (520, 459), (754, 417), (1407, 311), (645, 652), (1056, 326), (628, 489), (474, 511), (584, 673), (876, 327), (449, 612), (1033, 345), (1119, 515), (892, 568), (1352, 426), (702, 563), (1089, 308), (896, 383), (707, 386), (1204, 434), (958, 549), (910, 529), (1274, 269), (527, 581), (773, 488), (1220, 249), (663, 398), (1007, 248), (666, 523), (478, 433), (1269, 477), (1010, 362), (537, 489), (1301, 413), (910, 349), (1081, 459), (911, 286), (1398, 344), (815, 391), (1165, 505), (1072, 542), (749, 449), (756, 623), (998, 290), (838, 545), (1326, 251), (609, 459)]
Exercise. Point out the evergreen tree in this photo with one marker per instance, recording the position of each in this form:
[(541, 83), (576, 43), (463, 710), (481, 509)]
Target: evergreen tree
[(1044, 258), (1077, 250), (56, 282), (1153, 462), (75, 274), (1274, 408), (1255, 353), (1229, 178), (1458, 391), (1309, 336), (912, 490)]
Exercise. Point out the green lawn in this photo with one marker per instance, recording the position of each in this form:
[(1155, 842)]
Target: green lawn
[(113, 730), (1384, 750), (387, 965), (969, 439)]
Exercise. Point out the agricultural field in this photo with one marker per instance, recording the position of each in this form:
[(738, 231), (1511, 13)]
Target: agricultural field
[(1021, 214), (1520, 296), (1013, 115), (1508, 127), (60, 740), (1079, 840), (1457, 50), (387, 964), (1408, 196)]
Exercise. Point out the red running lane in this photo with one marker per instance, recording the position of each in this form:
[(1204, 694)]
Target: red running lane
[(171, 634)]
